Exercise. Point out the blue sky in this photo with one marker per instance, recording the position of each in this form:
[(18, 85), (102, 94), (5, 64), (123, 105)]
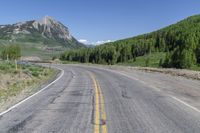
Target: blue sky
[(101, 20)]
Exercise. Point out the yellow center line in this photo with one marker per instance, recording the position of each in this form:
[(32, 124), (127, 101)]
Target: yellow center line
[(103, 115), (100, 114), (97, 113)]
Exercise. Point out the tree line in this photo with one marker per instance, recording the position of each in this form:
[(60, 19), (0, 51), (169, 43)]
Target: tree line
[(11, 52), (180, 42)]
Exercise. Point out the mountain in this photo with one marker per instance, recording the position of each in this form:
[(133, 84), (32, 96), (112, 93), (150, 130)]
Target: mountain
[(177, 46), (40, 36), (47, 30)]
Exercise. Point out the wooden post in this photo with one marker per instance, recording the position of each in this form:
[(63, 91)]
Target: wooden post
[(16, 65)]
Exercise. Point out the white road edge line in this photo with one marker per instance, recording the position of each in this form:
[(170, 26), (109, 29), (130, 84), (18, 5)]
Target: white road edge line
[(186, 104), (16, 105), (141, 81), (157, 89)]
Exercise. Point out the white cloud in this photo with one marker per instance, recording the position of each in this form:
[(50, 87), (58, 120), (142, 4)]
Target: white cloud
[(101, 42), (83, 41)]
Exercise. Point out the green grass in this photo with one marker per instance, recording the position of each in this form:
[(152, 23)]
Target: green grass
[(195, 67), (154, 59), (70, 62), (7, 67), (35, 49)]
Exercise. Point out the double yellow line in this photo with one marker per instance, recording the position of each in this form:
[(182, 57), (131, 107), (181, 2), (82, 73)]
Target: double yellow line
[(100, 114)]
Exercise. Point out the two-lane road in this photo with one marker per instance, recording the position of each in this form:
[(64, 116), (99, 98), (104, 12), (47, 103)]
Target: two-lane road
[(93, 100)]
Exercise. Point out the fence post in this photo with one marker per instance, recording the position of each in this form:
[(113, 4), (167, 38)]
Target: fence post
[(16, 65)]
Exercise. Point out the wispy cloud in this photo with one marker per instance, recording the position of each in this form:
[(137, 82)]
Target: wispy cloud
[(83, 41), (101, 42)]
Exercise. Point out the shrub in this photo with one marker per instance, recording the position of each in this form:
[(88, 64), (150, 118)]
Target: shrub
[(35, 73)]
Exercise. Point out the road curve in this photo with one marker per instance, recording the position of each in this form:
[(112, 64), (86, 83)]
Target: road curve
[(94, 100)]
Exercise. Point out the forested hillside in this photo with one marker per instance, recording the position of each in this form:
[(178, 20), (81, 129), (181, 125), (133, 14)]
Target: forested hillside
[(180, 42)]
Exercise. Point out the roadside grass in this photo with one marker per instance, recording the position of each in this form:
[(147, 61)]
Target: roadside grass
[(195, 67), (154, 60), (151, 60), (22, 82), (71, 62)]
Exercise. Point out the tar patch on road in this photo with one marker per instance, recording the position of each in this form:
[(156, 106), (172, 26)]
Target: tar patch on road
[(124, 94)]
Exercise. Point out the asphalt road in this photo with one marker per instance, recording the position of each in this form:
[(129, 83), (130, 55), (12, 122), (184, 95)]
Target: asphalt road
[(93, 100)]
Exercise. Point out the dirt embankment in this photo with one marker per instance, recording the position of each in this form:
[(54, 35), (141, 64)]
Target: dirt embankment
[(174, 72)]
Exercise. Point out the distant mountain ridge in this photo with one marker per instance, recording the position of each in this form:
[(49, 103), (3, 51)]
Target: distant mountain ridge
[(47, 30)]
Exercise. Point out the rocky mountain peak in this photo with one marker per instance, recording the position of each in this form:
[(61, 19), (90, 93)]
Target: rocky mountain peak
[(46, 28), (52, 28), (47, 20)]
